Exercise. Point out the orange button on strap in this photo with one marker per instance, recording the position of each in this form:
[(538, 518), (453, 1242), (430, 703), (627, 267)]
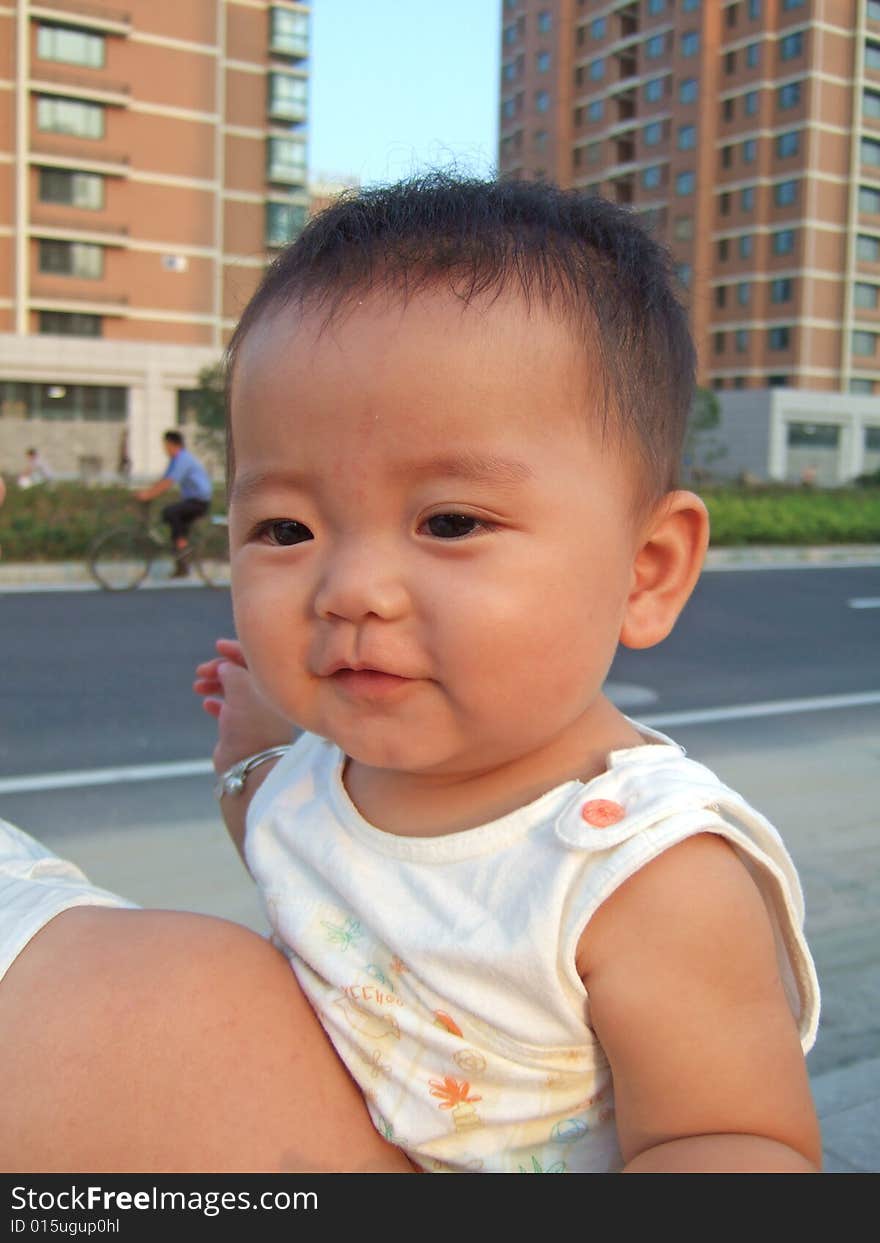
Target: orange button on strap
[(601, 812)]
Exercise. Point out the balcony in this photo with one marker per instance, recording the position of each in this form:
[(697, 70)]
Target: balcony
[(287, 110), (295, 46), (91, 15)]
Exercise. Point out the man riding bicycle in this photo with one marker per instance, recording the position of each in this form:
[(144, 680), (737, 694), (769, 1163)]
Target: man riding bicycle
[(185, 470)]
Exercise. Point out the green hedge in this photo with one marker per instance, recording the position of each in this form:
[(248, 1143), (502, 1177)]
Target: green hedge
[(58, 521)]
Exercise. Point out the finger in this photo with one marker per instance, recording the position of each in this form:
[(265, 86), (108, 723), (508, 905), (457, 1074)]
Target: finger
[(213, 707), (207, 686), (230, 649)]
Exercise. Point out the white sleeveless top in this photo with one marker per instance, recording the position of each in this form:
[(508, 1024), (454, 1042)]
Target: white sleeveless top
[(443, 968)]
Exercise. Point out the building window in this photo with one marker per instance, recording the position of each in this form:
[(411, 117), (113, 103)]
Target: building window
[(747, 198), (792, 4), (597, 28), (791, 45), (871, 103), (732, 14), (597, 69), (723, 249), (730, 62), (727, 109), (869, 201), (746, 245), (872, 55), (683, 228), (783, 242), (690, 6), (510, 34), (724, 203), (788, 144), (744, 293), (508, 109), (656, 6), (286, 160), (870, 151), (719, 342), (545, 21), (750, 103), (655, 46), (741, 340), (789, 96), (687, 90), (70, 116), (727, 156), (866, 388), (690, 43), (781, 289), (508, 71), (754, 10), (655, 89), (779, 337), (70, 45), (540, 139), (288, 99), (684, 183), (685, 273), (753, 55), (868, 248), (813, 435), (865, 296), (653, 133), (652, 176), (874, 10), (720, 296), (750, 150), (596, 110), (62, 185), (92, 402), (864, 343), (777, 381), (542, 101), (284, 222), (289, 33), (785, 193), (594, 153), (82, 259), (70, 324), (542, 61), (687, 137)]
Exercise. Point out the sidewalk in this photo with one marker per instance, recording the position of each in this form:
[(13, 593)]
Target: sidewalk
[(74, 576)]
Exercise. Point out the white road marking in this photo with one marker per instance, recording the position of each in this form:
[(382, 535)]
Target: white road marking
[(864, 602), (197, 768)]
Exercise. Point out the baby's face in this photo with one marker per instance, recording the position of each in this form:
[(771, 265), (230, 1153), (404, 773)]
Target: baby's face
[(432, 548)]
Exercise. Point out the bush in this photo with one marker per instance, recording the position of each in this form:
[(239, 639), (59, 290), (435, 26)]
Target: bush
[(782, 514), (58, 521)]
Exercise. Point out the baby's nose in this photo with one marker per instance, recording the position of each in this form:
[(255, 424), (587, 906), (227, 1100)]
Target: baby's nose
[(361, 582)]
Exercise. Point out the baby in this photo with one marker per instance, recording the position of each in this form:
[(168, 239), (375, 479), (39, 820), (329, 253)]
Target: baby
[(539, 937)]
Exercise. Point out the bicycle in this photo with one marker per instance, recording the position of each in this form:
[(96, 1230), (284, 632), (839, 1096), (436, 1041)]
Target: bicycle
[(121, 559)]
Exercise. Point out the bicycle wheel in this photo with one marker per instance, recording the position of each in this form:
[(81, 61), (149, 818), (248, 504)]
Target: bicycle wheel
[(211, 552), (120, 560)]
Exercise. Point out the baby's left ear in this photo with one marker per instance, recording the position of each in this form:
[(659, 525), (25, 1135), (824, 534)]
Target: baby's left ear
[(665, 569)]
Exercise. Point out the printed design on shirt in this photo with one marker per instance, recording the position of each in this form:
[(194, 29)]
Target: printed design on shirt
[(471, 1061), (558, 1167), (384, 1127), (377, 1065), (398, 967), (366, 1021), (442, 1019), (567, 1131), (455, 1095), (343, 934)]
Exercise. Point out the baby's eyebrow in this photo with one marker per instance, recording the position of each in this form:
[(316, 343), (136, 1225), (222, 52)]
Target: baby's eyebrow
[(475, 467)]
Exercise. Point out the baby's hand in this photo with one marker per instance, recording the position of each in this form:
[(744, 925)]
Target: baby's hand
[(246, 724)]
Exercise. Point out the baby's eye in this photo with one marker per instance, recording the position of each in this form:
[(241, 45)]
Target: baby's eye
[(284, 531), (453, 526)]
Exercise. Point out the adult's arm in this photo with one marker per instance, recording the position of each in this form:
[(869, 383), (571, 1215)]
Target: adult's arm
[(159, 1041)]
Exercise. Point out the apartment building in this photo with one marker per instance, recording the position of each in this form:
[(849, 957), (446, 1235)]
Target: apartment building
[(748, 134), (152, 158)]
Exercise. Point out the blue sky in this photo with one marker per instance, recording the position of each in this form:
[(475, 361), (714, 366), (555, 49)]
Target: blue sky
[(401, 85)]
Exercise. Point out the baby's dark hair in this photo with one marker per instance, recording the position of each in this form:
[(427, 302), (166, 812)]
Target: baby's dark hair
[(574, 253)]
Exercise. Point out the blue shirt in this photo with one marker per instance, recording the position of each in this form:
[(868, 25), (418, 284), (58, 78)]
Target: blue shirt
[(187, 471)]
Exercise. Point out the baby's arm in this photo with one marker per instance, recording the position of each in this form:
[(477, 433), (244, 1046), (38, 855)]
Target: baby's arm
[(686, 999), (246, 724)]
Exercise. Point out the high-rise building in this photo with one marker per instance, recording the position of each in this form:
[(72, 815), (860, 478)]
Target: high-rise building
[(748, 131), (151, 160)]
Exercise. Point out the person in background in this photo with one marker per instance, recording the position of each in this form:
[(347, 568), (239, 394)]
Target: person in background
[(36, 471), (187, 472)]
